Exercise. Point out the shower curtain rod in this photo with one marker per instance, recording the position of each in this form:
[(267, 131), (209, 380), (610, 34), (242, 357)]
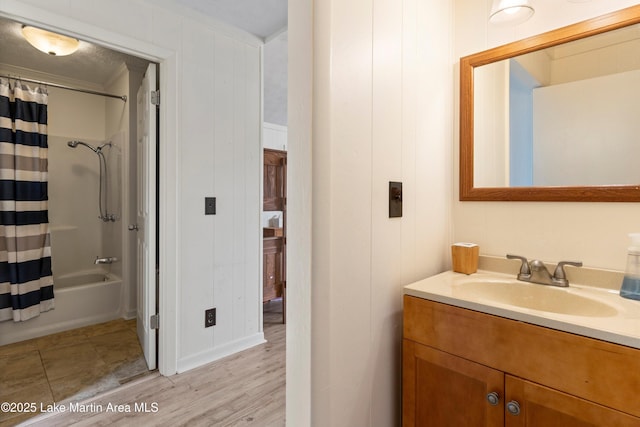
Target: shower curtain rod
[(92, 92)]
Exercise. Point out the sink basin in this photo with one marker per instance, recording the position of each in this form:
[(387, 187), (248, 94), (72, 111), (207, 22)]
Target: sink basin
[(533, 296)]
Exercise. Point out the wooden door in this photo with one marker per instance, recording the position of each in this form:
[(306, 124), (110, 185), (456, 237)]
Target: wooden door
[(544, 407), (440, 389), (274, 180), (275, 199)]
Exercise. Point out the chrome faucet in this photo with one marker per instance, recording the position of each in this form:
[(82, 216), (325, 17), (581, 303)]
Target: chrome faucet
[(106, 260), (536, 272)]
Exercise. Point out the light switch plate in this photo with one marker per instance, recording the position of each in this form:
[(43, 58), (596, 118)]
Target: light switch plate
[(209, 205), (395, 199)]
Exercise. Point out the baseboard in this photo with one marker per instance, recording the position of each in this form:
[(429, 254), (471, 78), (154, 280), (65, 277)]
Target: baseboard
[(217, 353), (130, 314)]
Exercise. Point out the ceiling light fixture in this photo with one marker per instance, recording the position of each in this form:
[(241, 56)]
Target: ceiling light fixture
[(510, 11), (50, 43)]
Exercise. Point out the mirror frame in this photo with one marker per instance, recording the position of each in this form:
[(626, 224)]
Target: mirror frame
[(604, 193)]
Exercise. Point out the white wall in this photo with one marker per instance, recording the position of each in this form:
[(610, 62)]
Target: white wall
[(275, 78), (598, 145), (212, 125), (299, 209), (382, 111), (618, 58), (274, 136), (491, 127), (595, 233), (219, 254)]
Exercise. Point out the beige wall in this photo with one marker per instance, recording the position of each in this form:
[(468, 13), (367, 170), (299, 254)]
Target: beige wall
[(595, 233)]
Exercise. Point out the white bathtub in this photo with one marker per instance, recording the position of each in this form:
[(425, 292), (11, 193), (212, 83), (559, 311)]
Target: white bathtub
[(81, 299)]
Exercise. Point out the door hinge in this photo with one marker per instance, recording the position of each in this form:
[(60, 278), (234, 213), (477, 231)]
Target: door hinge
[(155, 97), (155, 321)]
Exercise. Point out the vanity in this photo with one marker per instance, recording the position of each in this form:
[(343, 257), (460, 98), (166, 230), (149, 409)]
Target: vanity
[(488, 350)]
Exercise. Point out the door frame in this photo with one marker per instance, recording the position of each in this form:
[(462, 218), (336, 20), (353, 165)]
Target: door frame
[(167, 152)]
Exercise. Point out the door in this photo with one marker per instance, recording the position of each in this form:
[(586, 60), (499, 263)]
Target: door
[(274, 180), (540, 406), (440, 389), (272, 260), (146, 216), (275, 199)]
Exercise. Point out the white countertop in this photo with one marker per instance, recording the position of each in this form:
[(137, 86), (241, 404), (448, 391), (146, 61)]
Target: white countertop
[(620, 323)]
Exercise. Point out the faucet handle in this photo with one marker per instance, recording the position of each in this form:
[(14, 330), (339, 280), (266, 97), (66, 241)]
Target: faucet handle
[(525, 271), (559, 273)]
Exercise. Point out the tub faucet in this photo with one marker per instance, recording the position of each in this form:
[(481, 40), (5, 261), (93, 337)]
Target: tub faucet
[(536, 272), (106, 260)]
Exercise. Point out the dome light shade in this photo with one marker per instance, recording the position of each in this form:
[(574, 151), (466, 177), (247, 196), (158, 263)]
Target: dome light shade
[(510, 11), (50, 43)]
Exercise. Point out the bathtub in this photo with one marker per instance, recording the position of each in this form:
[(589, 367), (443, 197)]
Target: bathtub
[(81, 299)]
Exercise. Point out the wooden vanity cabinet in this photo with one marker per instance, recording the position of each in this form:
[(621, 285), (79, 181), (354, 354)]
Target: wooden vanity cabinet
[(454, 359)]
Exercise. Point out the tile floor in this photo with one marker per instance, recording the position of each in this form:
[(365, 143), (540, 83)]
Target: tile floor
[(69, 366)]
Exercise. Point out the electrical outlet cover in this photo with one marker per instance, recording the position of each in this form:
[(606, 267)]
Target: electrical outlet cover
[(210, 317)]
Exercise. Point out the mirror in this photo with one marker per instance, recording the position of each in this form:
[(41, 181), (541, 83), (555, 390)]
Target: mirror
[(555, 117)]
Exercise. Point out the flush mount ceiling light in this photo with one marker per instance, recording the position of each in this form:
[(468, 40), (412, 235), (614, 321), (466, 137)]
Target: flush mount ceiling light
[(510, 11), (50, 43)]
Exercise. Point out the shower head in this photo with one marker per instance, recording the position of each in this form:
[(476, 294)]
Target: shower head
[(74, 144)]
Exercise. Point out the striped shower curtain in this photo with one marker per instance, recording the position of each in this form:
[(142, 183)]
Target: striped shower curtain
[(26, 282)]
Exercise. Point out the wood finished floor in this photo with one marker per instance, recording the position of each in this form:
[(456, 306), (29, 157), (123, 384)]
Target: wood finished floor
[(245, 389)]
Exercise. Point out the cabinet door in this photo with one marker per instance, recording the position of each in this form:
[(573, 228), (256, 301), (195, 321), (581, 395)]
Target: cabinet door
[(544, 407), (274, 185), (272, 269), (440, 389)]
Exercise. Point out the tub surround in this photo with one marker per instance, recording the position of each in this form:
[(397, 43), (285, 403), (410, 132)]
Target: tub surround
[(621, 325), (81, 300)]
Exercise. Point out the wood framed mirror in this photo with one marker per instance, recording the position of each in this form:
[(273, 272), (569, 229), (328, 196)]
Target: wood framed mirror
[(567, 157)]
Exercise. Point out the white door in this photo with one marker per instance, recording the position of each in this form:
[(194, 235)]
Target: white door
[(146, 216)]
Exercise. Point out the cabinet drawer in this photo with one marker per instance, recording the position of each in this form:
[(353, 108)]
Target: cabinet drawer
[(594, 370)]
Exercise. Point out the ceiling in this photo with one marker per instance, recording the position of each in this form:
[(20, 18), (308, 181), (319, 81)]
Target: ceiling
[(262, 18), (95, 64), (91, 63)]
